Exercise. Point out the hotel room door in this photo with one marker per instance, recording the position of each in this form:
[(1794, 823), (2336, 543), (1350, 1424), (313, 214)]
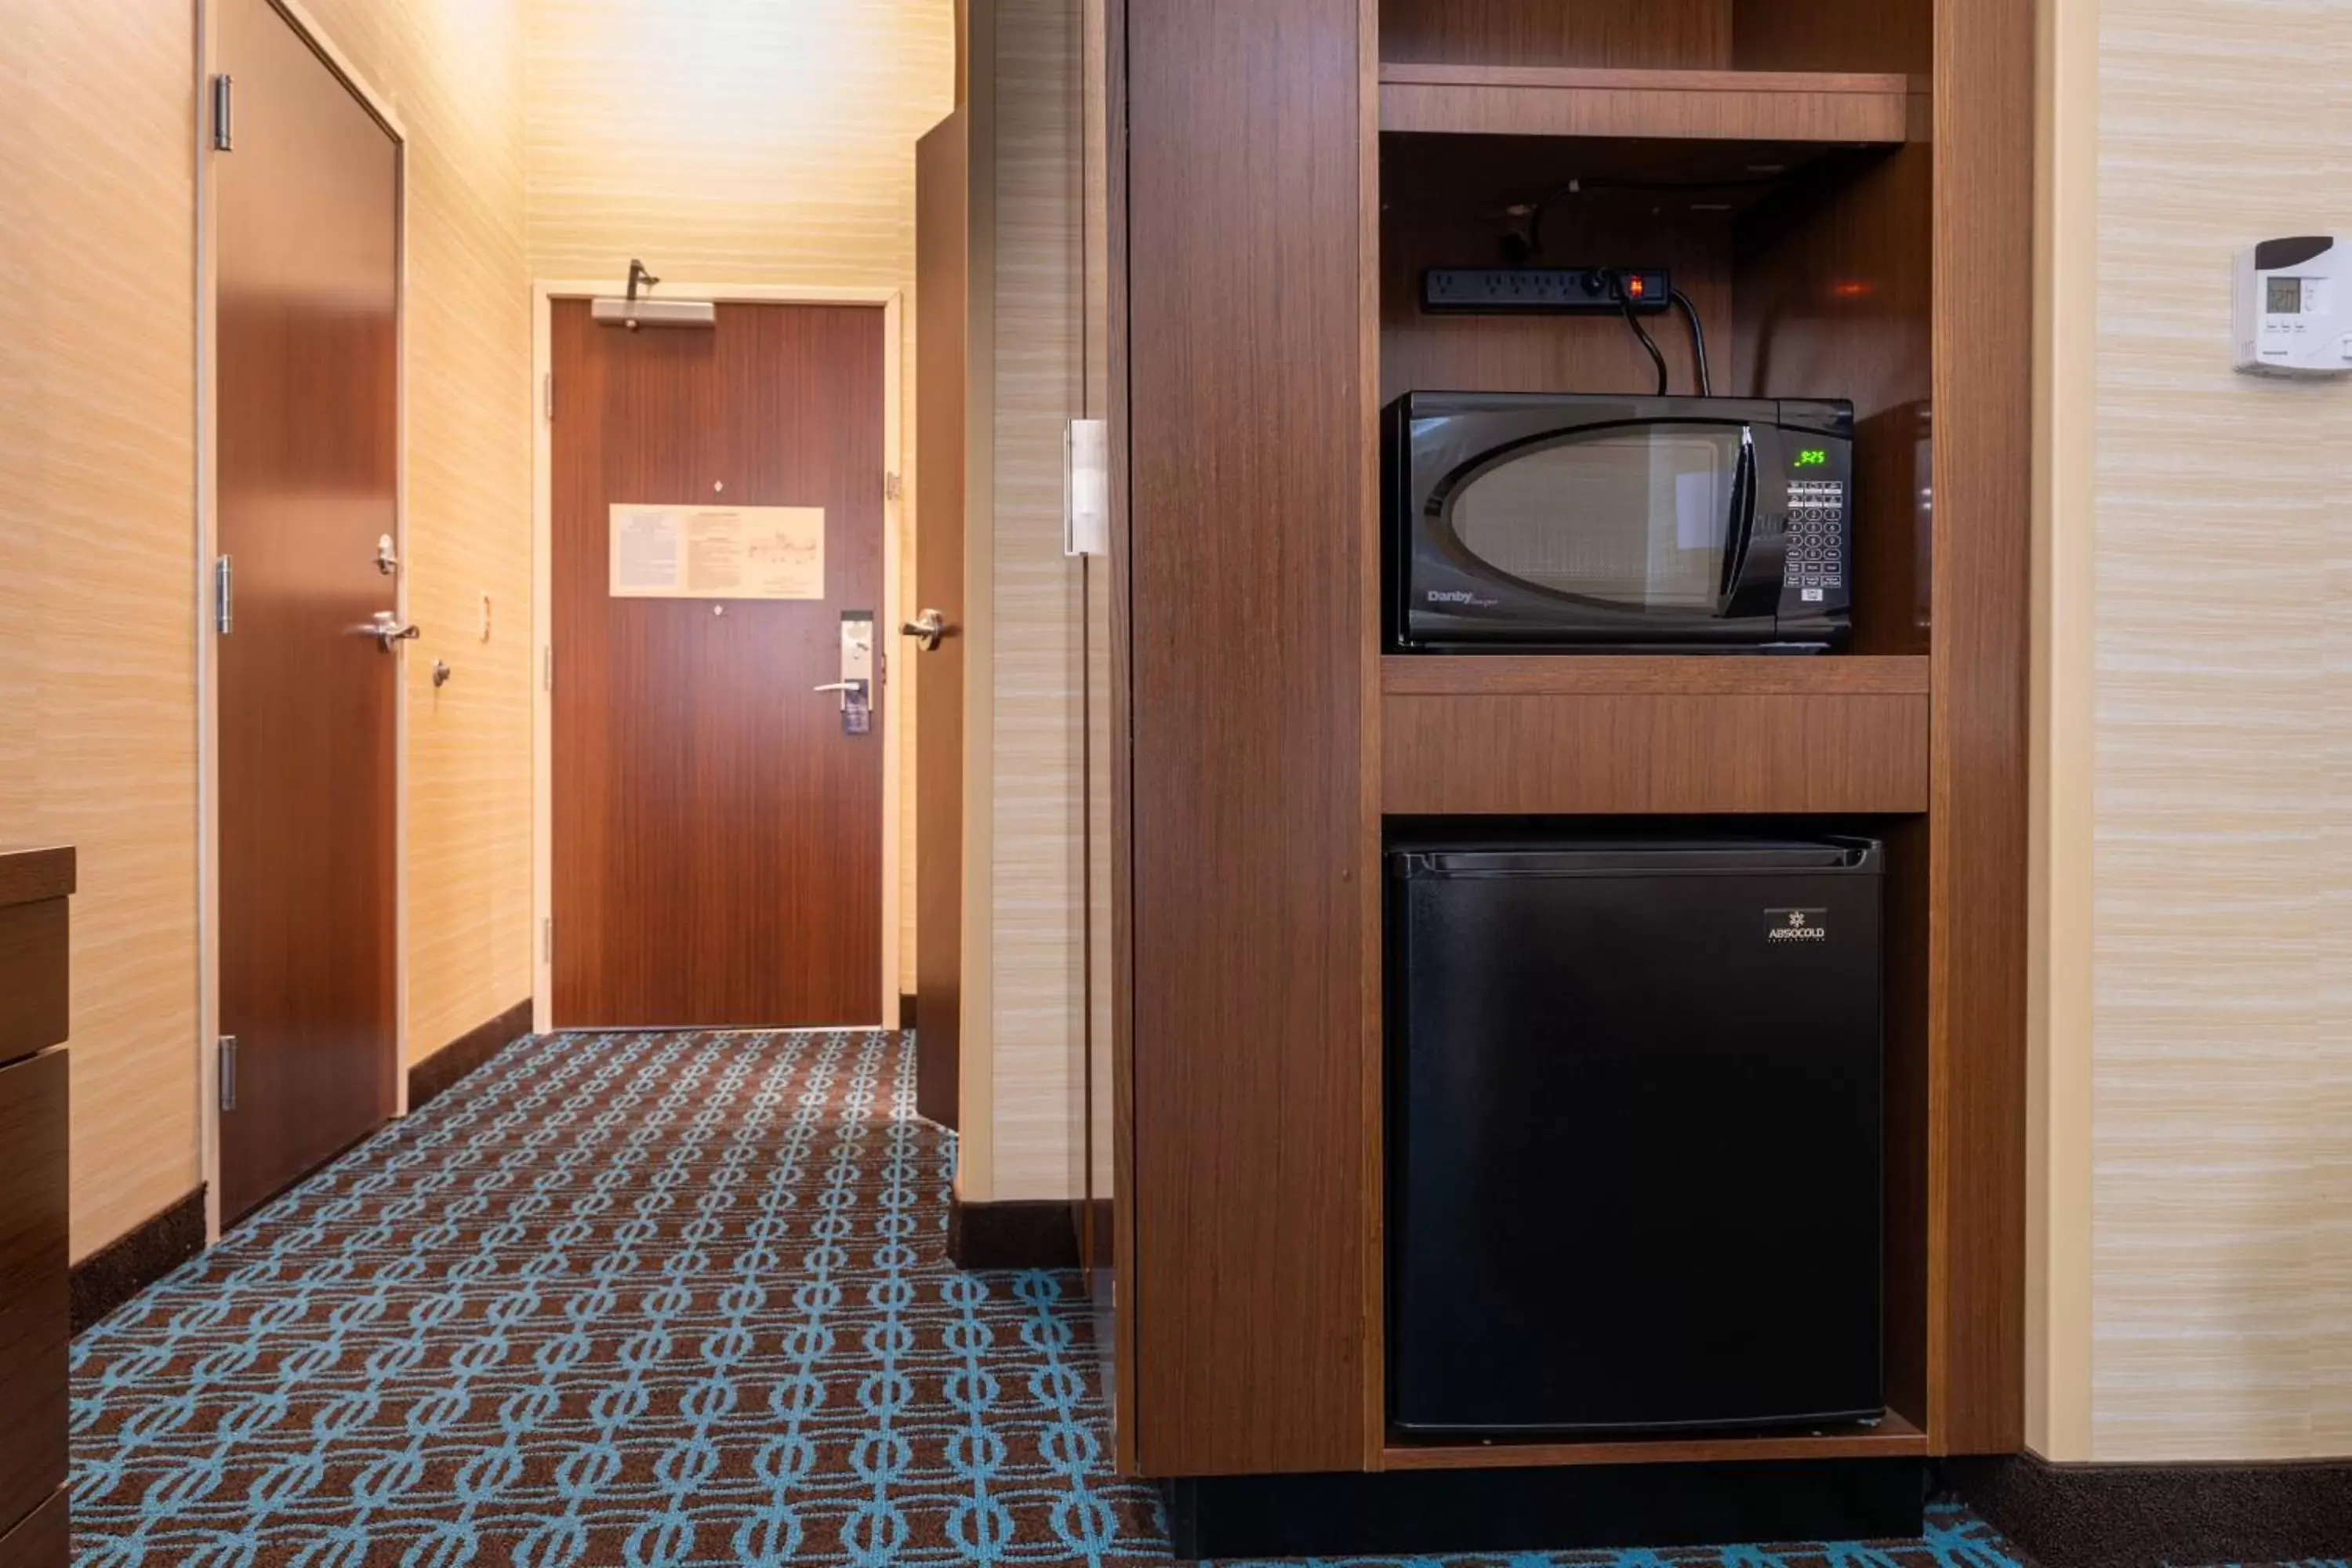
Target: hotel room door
[(942, 279), (718, 826), (307, 365)]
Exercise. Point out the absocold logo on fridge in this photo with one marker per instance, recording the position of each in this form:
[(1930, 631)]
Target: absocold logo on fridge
[(1785, 926)]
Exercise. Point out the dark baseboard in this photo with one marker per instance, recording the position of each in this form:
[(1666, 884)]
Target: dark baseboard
[(1031, 1235), (2139, 1516), (1408, 1513), (433, 1076), (136, 1259), (906, 1011)]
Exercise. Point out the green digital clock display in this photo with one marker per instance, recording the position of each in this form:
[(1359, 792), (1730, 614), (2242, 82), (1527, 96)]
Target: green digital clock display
[(1813, 458)]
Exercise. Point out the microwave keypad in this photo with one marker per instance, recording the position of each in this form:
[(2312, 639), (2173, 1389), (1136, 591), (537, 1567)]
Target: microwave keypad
[(1816, 536)]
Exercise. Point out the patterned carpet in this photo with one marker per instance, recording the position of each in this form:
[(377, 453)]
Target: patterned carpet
[(641, 1299)]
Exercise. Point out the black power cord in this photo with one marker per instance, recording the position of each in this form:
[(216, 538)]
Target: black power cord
[(1698, 340), (1648, 342)]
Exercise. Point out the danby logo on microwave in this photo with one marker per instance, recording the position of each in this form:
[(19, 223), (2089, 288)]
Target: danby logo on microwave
[(1460, 597), (1795, 925)]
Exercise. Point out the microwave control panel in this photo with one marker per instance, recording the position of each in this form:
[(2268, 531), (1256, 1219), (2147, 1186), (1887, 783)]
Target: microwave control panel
[(1816, 563)]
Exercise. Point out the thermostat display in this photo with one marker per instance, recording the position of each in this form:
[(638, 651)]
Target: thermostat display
[(2286, 317)]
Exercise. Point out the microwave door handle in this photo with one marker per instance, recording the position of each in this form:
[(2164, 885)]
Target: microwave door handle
[(1743, 518)]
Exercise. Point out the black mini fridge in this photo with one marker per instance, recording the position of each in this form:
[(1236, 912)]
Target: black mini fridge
[(1636, 1135)]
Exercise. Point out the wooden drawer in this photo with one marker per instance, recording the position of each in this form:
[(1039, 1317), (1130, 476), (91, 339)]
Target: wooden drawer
[(32, 977), (40, 1542), (34, 887), (1541, 754), (34, 1326)]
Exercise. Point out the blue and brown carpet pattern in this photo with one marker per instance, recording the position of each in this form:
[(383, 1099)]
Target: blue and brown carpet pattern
[(635, 1299)]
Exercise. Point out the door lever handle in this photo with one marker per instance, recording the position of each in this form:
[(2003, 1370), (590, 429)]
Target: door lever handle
[(927, 629), (387, 630), (856, 698)]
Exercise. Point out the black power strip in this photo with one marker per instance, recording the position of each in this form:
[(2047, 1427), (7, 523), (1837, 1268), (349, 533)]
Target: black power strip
[(1544, 291)]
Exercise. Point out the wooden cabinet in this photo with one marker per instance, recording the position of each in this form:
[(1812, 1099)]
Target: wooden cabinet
[(1846, 192), (33, 1311)]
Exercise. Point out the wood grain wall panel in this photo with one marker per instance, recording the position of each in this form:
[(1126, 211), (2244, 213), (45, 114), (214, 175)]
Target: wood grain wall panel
[(1651, 753), (1692, 34), (2220, 1057), (1804, 34), (453, 71), (1430, 219), (1835, 296), (745, 144), (1248, 444), (1977, 897)]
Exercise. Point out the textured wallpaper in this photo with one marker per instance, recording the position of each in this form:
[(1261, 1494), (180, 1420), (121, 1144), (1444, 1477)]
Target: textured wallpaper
[(97, 708), (1037, 852), (2221, 997)]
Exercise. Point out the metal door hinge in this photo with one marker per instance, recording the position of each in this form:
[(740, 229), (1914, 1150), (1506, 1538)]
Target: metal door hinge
[(224, 596), (225, 112), (547, 390), (890, 487), (547, 940), (547, 668), (228, 1072)]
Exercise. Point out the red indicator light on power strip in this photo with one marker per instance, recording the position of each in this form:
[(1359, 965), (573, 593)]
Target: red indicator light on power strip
[(1636, 287)]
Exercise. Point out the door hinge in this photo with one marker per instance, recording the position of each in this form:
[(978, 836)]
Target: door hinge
[(547, 668), (225, 596), (225, 112), (547, 390), (890, 487), (228, 1072), (547, 940)]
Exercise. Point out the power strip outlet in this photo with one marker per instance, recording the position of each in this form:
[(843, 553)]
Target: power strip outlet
[(1548, 290)]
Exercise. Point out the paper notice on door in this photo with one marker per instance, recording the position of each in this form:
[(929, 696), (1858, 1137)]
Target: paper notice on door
[(733, 552), (644, 552)]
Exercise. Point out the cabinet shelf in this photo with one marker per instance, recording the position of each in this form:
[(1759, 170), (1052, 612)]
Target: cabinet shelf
[(1893, 1437), (1715, 105), (1730, 675)]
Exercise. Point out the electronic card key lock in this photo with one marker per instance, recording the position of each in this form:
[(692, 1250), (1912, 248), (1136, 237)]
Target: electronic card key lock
[(856, 683)]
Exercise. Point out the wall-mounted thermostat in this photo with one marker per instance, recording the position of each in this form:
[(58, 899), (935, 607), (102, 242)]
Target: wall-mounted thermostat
[(2292, 296)]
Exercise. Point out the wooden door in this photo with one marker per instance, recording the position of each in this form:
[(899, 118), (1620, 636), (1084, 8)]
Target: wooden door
[(717, 835), (942, 277), (308, 389)]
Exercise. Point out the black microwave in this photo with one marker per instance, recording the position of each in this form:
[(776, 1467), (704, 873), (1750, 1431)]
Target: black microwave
[(1617, 525)]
